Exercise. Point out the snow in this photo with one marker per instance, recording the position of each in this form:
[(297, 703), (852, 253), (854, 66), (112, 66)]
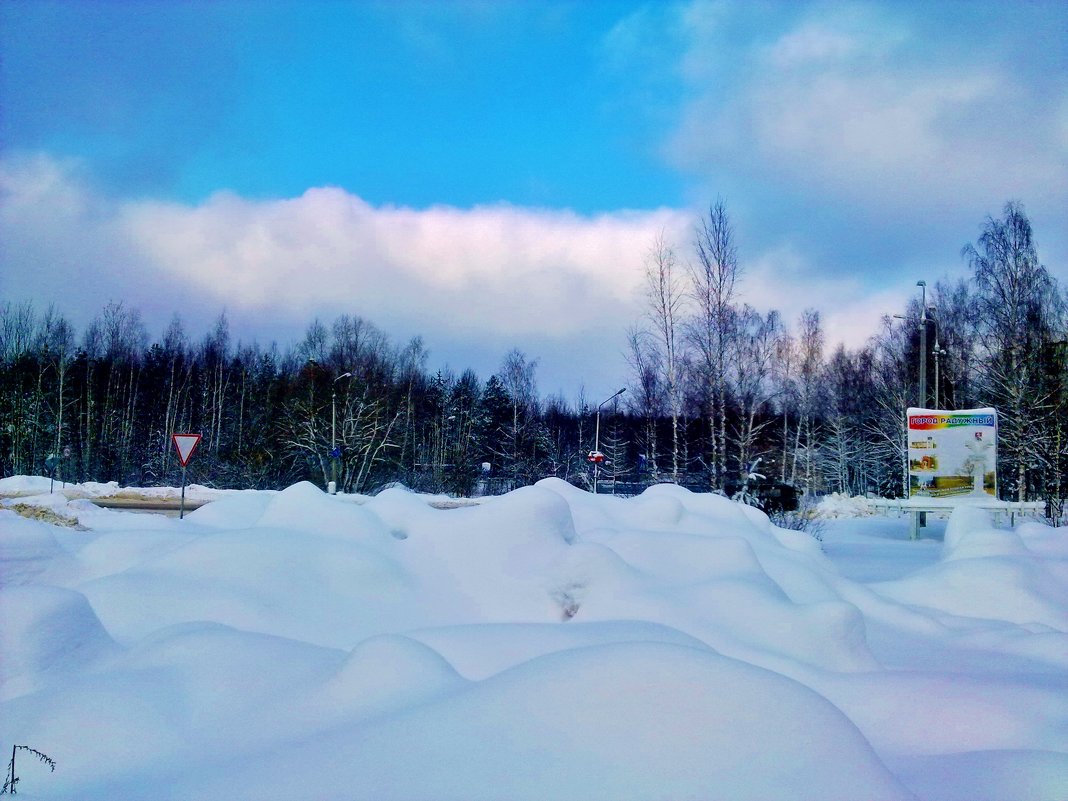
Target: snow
[(838, 505), (545, 644)]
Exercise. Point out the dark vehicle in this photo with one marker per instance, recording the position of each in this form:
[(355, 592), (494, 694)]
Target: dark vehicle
[(758, 490), (777, 497), (766, 494)]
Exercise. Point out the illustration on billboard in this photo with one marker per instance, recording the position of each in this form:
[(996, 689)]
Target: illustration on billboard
[(952, 454)]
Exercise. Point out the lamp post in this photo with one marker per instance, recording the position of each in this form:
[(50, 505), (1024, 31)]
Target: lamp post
[(939, 351), (332, 489), (597, 435), (923, 343)]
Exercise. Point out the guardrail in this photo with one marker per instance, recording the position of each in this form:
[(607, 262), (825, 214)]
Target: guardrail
[(919, 507)]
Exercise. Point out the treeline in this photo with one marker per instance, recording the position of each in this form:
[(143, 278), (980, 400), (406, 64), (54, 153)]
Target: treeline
[(720, 384), (715, 386), (344, 405)]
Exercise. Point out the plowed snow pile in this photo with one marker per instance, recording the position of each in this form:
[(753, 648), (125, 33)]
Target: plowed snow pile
[(547, 644)]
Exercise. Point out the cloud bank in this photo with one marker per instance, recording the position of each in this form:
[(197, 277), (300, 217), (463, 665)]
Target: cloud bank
[(490, 274)]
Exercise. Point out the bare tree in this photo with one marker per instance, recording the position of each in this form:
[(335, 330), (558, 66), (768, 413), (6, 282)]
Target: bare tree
[(1020, 309), (215, 357), (665, 295), (57, 346), (810, 368), (751, 369), (18, 329), (712, 328), (893, 395), (956, 345), (784, 371), (646, 400), (517, 375)]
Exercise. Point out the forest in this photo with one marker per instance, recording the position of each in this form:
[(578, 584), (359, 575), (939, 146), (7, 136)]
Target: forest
[(714, 386)]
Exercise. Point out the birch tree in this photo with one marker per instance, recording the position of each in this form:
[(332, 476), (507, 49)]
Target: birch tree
[(646, 398), (758, 336), (713, 280), (665, 295), (1020, 310), (810, 368)]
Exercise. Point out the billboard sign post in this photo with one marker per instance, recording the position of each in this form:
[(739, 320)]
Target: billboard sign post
[(952, 454)]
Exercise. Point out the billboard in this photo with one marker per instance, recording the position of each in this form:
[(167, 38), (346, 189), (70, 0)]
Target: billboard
[(952, 454)]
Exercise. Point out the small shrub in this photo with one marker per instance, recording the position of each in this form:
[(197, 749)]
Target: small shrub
[(801, 519), (12, 780)]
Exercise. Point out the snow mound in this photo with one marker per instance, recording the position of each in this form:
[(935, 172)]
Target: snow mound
[(388, 672), (27, 548), (45, 630), (304, 507), (630, 721), (240, 510), (548, 643), (991, 573), (240, 579), (840, 505), (482, 650), (989, 776)]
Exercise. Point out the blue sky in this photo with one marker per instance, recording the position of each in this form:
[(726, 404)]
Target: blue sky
[(491, 175)]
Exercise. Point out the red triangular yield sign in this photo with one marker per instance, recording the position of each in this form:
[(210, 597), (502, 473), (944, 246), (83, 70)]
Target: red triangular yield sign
[(185, 444)]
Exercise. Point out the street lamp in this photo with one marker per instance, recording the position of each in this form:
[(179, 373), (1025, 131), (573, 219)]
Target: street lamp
[(597, 437), (939, 351), (923, 343), (332, 489)]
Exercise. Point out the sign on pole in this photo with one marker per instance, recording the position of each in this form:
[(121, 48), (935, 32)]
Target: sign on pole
[(952, 454), (185, 444)]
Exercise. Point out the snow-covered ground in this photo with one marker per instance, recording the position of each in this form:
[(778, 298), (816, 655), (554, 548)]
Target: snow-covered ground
[(547, 644)]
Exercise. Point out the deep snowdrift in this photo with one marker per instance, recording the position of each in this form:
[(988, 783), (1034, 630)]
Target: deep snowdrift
[(545, 644)]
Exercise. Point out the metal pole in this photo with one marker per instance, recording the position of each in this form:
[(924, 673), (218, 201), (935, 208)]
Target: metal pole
[(597, 448), (920, 518), (181, 507), (597, 435), (333, 439), (923, 344), (333, 432), (937, 353)]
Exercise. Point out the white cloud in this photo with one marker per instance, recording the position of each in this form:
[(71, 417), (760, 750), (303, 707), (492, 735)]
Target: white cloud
[(522, 270), (851, 311), (851, 102), (493, 273)]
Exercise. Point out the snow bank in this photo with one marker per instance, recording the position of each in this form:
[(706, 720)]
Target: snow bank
[(545, 644), (610, 722), (24, 485), (46, 631), (1031, 587), (27, 548), (841, 505), (989, 776)]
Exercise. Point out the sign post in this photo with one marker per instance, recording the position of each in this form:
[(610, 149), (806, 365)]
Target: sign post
[(51, 463), (185, 444)]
